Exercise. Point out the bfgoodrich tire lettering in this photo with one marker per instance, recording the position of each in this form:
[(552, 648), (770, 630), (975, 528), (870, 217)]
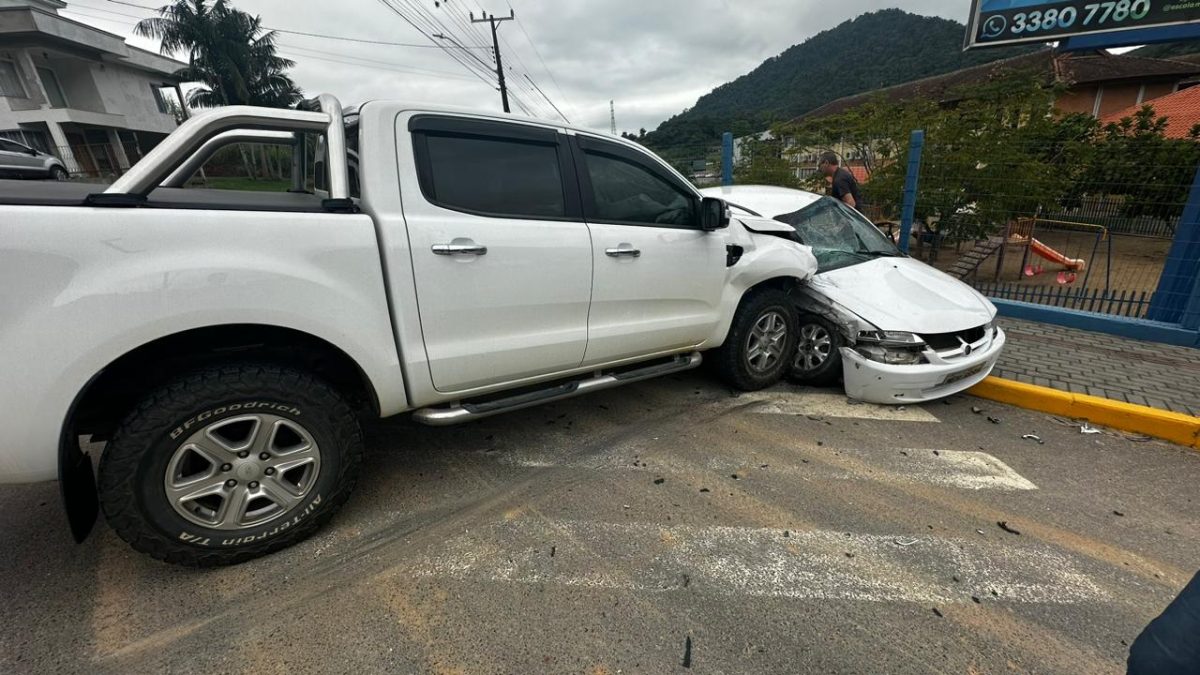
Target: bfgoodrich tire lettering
[(135, 485)]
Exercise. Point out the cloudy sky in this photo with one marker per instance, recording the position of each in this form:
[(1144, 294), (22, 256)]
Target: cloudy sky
[(653, 57)]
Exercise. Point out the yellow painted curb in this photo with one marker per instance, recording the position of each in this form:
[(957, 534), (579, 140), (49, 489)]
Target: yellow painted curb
[(1139, 419)]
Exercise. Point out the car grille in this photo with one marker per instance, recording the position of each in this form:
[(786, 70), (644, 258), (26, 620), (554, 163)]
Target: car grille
[(941, 342)]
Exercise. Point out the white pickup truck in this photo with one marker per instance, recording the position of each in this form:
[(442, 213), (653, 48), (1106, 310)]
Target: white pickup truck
[(223, 344)]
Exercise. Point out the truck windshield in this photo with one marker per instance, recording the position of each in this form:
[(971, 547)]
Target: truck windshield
[(839, 235)]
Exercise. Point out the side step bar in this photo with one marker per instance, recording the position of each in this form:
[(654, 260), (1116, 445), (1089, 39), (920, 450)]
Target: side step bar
[(466, 412)]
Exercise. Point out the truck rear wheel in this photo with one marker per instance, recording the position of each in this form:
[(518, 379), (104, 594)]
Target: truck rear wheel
[(230, 463), (758, 350)]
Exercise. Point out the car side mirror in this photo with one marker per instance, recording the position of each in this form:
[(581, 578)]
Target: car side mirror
[(33, 152), (714, 214)]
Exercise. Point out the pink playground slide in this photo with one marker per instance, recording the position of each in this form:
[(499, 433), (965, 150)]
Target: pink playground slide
[(1072, 264)]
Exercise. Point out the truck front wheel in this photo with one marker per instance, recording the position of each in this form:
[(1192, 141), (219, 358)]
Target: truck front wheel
[(759, 348), (230, 463)]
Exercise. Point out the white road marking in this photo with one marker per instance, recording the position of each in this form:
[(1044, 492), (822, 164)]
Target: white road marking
[(831, 405), (951, 468), (753, 562)]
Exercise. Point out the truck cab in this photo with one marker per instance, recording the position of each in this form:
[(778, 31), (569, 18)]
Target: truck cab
[(440, 261)]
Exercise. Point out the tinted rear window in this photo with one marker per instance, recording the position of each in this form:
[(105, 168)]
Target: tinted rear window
[(498, 177)]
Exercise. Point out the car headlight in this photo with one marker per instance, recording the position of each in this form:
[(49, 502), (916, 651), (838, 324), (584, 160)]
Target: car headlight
[(895, 348), (891, 338)]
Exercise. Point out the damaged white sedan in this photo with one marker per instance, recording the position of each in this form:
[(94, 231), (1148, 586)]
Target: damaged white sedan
[(894, 329)]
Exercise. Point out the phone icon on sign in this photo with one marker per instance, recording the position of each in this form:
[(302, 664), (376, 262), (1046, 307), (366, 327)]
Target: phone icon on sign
[(994, 27)]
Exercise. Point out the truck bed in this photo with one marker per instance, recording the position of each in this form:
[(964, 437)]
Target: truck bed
[(69, 193)]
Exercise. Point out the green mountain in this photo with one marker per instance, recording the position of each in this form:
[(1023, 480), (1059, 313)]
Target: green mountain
[(1169, 50), (875, 50)]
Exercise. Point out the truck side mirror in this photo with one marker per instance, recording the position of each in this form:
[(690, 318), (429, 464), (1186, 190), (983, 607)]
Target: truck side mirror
[(714, 214)]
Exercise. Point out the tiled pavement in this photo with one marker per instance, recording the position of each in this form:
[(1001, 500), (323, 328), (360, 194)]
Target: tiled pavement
[(1083, 362)]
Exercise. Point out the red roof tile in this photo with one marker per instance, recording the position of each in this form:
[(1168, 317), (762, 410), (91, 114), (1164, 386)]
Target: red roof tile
[(1182, 110)]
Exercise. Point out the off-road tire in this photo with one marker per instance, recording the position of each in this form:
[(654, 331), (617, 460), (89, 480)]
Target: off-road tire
[(732, 359), (133, 466)]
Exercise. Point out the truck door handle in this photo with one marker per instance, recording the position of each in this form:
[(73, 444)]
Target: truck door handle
[(458, 248), (624, 251)]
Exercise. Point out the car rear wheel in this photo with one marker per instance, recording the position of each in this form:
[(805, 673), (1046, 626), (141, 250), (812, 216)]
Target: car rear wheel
[(230, 463), (757, 351), (818, 359), (59, 173)]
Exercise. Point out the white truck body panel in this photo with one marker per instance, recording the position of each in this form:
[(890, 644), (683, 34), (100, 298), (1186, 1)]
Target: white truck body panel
[(88, 285)]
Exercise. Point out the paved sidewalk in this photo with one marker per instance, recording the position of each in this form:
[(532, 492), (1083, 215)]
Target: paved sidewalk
[(1083, 362)]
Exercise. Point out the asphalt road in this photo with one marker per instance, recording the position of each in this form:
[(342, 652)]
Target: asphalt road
[(664, 527)]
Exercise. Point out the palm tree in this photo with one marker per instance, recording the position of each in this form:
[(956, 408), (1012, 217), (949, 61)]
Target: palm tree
[(229, 53)]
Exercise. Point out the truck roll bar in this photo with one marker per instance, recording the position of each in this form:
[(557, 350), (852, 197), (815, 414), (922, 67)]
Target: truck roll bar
[(163, 164)]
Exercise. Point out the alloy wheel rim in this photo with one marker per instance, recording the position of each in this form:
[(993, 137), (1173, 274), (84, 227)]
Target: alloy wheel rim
[(814, 348), (765, 343), (242, 472)]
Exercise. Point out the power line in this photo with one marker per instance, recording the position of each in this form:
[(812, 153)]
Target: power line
[(538, 53), (331, 56), (429, 25), (342, 38), (477, 67), (461, 18), (539, 90), (422, 31)]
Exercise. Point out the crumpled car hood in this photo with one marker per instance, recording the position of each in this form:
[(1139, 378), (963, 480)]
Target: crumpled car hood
[(903, 294)]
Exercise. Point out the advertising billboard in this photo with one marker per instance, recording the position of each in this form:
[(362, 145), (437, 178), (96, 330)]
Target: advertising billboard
[(1008, 22)]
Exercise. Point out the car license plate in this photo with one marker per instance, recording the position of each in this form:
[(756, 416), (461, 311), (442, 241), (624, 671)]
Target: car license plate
[(960, 376)]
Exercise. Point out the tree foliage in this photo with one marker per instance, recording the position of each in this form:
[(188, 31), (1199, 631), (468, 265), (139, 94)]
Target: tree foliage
[(229, 53), (1003, 153), (763, 163)]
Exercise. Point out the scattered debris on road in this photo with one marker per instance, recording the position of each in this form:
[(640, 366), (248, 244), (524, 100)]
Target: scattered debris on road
[(1033, 437), (910, 542), (1008, 528), (976, 409), (687, 652), (1118, 514), (659, 481), (1089, 429), (994, 420), (938, 613)]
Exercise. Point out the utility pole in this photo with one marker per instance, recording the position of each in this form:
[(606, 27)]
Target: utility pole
[(491, 19), (612, 116)]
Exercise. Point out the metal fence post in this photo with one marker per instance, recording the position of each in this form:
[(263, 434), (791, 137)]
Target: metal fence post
[(915, 147), (727, 158), (1176, 299)]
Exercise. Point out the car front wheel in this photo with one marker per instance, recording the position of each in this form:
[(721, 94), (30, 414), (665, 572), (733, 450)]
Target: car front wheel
[(230, 463), (59, 173), (818, 359)]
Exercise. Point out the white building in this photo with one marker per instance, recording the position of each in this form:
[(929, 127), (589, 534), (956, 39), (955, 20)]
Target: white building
[(80, 92)]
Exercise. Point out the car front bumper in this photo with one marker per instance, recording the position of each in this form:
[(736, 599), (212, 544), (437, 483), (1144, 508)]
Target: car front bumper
[(876, 382)]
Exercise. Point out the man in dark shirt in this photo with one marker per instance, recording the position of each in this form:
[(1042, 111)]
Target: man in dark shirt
[(845, 187)]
